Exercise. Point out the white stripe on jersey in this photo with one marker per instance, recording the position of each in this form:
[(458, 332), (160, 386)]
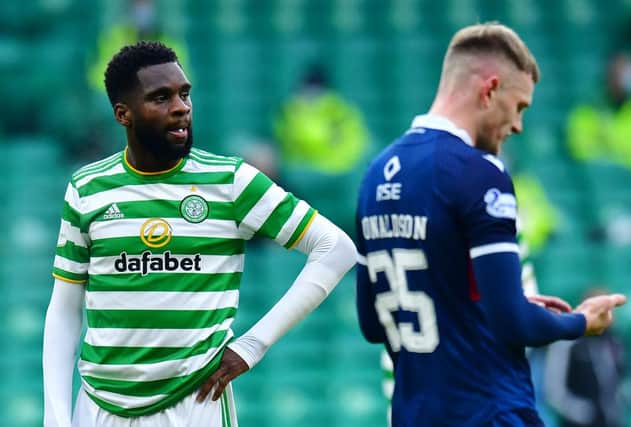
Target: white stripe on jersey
[(179, 226), (72, 197), (116, 169), (123, 400), (290, 226), (242, 177), (151, 192), (208, 264), (148, 371), (143, 337), (134, 300), (493, 248), (193, 165), (70, 265), (262, 210), (68, 232)]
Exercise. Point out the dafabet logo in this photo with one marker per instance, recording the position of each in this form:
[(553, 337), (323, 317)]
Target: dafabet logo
[(155, 232)]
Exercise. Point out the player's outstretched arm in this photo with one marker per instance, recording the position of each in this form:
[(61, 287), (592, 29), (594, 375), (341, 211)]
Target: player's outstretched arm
[(598, 312), (513, 318), (62, 331), (331, 253)]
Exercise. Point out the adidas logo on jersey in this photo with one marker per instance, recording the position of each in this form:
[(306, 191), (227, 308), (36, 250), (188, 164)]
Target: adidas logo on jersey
[(113, 212)]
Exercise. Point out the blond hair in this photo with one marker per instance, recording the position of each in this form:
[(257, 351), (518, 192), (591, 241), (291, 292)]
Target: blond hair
[(494, 39)]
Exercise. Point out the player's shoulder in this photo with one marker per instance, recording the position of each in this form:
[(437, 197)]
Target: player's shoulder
[(87, 172), (202, 161), (208, 158), (486, 164)]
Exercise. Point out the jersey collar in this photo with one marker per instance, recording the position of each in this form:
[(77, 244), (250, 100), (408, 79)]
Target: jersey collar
[(432, 121)]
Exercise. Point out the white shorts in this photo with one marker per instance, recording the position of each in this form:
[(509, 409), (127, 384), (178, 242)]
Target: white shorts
[(186, 413)]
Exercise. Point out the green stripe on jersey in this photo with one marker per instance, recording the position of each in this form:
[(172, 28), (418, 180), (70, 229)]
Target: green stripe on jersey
[(145, 355), (158, 319), (177, 245), (301, 228), (250, 196), (110, 182), (165, 282), (160, 209), (71, 215), (73, 252), (275, 222)]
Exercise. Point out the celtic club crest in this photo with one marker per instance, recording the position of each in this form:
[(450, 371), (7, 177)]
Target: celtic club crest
[(194, 209)]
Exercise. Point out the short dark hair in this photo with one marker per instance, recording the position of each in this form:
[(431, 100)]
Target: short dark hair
[(121, 75)]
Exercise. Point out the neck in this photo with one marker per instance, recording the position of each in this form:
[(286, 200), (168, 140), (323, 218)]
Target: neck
[(144, 160), (456, 109)]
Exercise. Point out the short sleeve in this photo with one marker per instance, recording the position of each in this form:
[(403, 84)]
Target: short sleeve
[(72, 255), (263, 208), (488, 207)]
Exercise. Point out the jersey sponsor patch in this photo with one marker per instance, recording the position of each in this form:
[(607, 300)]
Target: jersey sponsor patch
[(392, 167), (156, 232), (500, 205)]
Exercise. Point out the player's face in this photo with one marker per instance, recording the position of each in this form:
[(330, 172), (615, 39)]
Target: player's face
[(163, 111), (504, 114)]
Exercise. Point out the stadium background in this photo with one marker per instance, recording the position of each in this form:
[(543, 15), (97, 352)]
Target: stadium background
[(244, 58)]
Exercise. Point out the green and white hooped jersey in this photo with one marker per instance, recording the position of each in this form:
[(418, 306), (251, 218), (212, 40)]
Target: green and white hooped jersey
[(162, 257)]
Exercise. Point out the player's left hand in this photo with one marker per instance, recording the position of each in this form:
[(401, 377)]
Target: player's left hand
[(230, 367), (554, 304)]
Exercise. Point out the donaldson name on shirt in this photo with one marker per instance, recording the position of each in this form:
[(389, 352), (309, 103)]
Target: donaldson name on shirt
[(147, 262), (394, 226)]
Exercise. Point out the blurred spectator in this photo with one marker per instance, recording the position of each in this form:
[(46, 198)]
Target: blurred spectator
[(538, 218), (140, 23), (322, 142), (602, 131), (318, 129), (583, 380)]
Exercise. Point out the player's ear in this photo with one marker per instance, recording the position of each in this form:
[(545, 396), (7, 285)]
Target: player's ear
[(488, 89), (122, 113)]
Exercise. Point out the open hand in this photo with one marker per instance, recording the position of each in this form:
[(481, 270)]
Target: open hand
[(598, 312), (230, 367)]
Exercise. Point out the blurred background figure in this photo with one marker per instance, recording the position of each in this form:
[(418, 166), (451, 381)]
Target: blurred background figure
[(138, 20), (322, 140), (583, 379), (601, 131), (318, 129), (598, 133)]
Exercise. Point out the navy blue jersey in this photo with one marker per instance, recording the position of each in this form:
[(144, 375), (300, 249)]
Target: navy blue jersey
[(435, 218)]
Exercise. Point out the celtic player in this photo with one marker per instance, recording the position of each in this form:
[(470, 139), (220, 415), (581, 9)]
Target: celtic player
[(152, 244)]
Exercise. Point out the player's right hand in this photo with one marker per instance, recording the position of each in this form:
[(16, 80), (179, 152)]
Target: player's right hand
[(598, 312), (230, 367)]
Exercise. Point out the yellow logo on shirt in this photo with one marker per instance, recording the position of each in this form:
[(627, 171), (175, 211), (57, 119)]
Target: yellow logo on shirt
[(155, 232)]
